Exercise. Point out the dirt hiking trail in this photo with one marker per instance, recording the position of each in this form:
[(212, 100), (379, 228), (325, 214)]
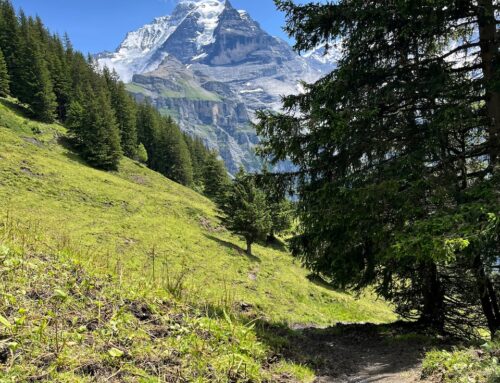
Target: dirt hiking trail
[(361, 353)]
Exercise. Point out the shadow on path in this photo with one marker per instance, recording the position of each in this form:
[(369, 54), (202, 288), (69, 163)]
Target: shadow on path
[(357, 353)]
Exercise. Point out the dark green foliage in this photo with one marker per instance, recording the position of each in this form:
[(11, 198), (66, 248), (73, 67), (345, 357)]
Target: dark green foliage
[(172, 154), (148, 126), (92, 122), (125, 113), (280, 208), (215, 176), (210, 176), (141, 154), (10, 40), (198, 154), (4, 77), (167, 148), (245, 211), (41, 99), (60, 71), (32, 84), (397, 154)]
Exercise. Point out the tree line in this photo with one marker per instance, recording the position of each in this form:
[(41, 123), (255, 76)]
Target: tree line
[(398, 155), (58, 83)]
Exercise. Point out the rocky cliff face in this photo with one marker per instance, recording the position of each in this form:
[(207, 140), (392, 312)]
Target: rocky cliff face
[(212, 67)]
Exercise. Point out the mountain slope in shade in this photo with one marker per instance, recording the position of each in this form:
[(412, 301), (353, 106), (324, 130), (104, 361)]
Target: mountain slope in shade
[(212, 67)]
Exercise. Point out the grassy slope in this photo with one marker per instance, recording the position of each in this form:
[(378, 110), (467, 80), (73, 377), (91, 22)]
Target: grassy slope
[(189, 90), (122, 218), (464, 365), (60, 323)]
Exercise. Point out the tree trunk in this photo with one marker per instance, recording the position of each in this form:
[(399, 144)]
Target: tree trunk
[(271, 238), (433, 299), (489, 43), (249, 247), (487, 296)]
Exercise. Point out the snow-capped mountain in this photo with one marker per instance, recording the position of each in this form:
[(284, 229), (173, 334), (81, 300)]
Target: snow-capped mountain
[(212, 67)]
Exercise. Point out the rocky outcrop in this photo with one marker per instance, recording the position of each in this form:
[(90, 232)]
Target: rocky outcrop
[(207, 109)]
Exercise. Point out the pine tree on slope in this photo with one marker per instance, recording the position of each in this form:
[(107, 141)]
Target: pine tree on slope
[(244, 210), (92, 121), (125, 113), (4, 77), (215, 177)]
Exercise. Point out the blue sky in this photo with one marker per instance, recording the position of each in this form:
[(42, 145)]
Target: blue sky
[(99, 25)]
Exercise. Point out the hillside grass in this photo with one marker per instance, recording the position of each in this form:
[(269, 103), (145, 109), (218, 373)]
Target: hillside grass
[(189, 90), (61, 323), (154, 234), (464, 365)]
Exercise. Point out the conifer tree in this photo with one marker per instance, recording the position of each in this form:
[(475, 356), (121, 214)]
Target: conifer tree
[(60, 72), (198, 154), (280, 208), (10, 42), (244, 210), (215, 177), (124, 109), (4, 77), (92, 121), (148, 127), (42, 99), (33, 84), (397, 151), (172, 154)]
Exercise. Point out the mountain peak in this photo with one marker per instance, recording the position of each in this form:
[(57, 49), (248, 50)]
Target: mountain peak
[(212, 67)]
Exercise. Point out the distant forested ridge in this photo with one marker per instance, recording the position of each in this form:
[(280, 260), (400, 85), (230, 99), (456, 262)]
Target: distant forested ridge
[(56, 82)]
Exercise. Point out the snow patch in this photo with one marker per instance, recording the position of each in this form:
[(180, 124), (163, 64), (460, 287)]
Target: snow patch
[(258, 90), (322, 56), (139, 52), (208, 12)]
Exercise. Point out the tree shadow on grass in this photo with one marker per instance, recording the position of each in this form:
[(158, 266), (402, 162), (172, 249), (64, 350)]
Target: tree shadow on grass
[(232, 246), (18, 109), (319, 281), (71, 151), (275, 244)]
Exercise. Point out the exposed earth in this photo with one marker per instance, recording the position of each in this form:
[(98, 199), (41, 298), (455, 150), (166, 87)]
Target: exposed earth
[(361, 353)]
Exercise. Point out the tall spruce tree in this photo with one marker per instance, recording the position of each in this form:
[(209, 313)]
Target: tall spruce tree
[(172, 154), (215, 176), (397, 152), (60, 72), (148, 127), (280, 208), (10, 41), (92, 121), (4, 77), (33, 84), (125, 113), (198, 154), (42, 99), (244, 210)]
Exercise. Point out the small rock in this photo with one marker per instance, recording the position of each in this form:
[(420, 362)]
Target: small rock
[(4, 354)]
